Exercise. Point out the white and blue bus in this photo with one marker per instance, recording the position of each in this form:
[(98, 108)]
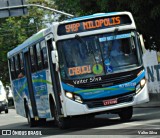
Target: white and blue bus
[(81, 66)]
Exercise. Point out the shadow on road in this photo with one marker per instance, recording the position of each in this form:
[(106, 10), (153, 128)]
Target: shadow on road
[(77, 127), (87, 126)]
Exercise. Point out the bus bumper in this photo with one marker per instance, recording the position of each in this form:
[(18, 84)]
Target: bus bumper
[(74, 108)]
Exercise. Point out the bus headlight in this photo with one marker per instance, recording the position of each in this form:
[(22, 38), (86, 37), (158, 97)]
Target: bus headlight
[(138, 88), (69, 95), (140, 85), (74, 97), (142, 82), (78, 99)]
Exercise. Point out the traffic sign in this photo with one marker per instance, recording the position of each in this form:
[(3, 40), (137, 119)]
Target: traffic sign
[(12, 8)]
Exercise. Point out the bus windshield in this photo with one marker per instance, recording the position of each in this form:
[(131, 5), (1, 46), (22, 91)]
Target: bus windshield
[(98, 55)]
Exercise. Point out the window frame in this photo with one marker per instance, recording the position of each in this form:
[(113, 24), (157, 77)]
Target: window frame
[(43, 47), (33, 64), (39, 54), (13, 73)]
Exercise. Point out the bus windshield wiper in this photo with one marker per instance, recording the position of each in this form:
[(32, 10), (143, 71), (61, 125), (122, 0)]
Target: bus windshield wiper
[(84, 43)]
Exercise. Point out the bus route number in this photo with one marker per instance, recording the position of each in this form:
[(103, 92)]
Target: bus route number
[(79, 70), (93, 24), (72, 27)]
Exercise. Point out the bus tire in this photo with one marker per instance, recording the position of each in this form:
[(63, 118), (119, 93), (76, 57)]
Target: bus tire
[(42, 121), (61, 122), (31, 121), (126, 114)]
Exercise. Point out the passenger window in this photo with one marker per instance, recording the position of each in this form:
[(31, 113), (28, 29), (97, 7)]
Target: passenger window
[(12, 68), (21, 61), (32, 57), (22, 73), (17, 65), (44, 54), (39, 57)]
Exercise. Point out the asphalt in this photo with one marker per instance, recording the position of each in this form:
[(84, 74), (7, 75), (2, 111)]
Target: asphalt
[(150, 104), (154, 101)]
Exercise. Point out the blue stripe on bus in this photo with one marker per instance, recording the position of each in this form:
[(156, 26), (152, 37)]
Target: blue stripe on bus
[(106, 91)]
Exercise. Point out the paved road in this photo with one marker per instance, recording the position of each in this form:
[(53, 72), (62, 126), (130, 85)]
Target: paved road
[(146, 119)]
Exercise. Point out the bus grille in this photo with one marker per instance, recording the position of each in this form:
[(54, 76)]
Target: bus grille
[(99, 103)]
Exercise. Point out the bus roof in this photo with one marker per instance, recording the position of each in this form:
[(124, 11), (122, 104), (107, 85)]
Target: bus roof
[(27, 42), (95, 16), (99, 21)]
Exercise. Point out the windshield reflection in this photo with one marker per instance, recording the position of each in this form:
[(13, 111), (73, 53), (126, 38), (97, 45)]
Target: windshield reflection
[(97, 55)]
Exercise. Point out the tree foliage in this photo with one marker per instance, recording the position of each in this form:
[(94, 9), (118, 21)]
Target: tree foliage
[(146, 13), (14, 30)]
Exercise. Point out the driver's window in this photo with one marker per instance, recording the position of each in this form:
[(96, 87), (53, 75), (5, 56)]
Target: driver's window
[(116, 48), (126, 48)]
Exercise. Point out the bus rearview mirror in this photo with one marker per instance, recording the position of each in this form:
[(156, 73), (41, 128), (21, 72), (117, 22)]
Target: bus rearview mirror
[(54, 45), (55, 58), (142, 43)]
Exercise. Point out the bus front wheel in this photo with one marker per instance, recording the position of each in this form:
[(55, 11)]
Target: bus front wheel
[(61, 122), (126, 114)]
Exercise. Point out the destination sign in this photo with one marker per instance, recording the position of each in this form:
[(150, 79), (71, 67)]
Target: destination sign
[(93, 24)]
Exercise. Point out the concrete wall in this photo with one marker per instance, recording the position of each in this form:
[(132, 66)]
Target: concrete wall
[(153, 73)]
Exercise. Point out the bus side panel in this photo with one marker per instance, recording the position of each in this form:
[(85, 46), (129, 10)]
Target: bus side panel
[(41, 93), (20, 90), (50, 91)]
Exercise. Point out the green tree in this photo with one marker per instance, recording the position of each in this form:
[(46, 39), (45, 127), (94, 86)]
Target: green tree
[(146, 13), (14, 30)]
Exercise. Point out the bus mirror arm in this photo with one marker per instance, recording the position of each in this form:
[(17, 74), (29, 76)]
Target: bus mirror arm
[(55, 58), (142, 43), (54, 45)]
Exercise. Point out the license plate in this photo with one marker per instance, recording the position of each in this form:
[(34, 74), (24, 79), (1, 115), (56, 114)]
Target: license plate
[(110, 102)]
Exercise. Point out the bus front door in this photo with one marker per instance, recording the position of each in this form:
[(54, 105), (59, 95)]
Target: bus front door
[(55, 79), (30, 84)]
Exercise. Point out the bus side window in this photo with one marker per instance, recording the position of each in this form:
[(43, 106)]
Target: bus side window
[(22, 73), (17, 65), (44, 54), (12, 68), (39, 57), (32, 58)]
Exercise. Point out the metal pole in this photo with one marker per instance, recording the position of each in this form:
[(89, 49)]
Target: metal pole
[(35, 5)]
